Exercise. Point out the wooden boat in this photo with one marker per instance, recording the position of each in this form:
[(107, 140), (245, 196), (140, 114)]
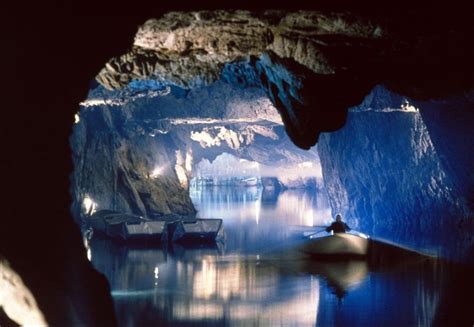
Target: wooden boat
[(145, 229), (200, 229), (128, 227), (337, 245)]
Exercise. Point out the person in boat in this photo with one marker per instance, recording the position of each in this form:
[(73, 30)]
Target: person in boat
[(338, 226)]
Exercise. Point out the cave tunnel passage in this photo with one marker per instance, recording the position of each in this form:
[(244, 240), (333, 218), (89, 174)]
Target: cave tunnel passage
[(140, 150), (214, 138), (136, 151), (241, 189), (410, 184), (221, 151), (156, 150)]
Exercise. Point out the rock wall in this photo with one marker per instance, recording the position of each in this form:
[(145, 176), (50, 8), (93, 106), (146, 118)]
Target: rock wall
[(114, 165), (385, 174), (450, 124)]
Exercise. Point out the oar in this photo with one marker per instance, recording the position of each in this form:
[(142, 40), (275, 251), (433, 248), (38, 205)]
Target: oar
[(322, 229), (304, 227)]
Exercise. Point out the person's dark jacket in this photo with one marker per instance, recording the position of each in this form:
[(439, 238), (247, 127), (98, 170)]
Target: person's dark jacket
[(338, 227)]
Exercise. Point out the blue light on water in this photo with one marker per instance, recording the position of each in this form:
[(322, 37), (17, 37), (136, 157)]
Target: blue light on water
[(239, 283)]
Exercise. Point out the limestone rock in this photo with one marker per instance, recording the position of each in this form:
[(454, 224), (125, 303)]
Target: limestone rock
[(312, 65), (387, 171), (195, 48)]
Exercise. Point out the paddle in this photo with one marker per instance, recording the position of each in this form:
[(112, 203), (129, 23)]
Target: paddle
[(322, 229)]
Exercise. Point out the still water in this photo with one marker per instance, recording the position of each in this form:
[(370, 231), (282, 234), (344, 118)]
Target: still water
[(255, 278)]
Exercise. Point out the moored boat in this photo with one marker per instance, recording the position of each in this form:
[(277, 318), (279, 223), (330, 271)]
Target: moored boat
[(128, 227), (145, 229), (200, 229)]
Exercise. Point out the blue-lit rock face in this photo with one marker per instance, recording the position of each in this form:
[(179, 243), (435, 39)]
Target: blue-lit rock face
[(387, 173), (450, 125), (114, 165), (290, 86), (135, 149)]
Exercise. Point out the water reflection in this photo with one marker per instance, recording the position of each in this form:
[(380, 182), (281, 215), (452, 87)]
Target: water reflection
[(291, 207), (203, 286), (257, 279), (257, 218)]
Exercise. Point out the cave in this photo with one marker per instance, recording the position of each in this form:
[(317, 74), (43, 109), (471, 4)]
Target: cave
[(380, 116), (137, 150)]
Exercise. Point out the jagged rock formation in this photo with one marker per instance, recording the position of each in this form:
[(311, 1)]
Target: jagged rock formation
[(189, 48), (449, 123), (135, 150), (386, 174), (113, 168), (282, 53), (299, 58)]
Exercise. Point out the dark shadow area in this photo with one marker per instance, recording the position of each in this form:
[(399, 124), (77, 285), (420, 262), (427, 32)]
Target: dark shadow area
[(5, 321)]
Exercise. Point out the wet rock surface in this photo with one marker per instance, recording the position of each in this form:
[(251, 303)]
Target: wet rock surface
[(384, 172)]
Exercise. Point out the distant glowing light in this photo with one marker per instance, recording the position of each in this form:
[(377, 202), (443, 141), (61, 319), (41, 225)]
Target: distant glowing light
[(188, 163), (90, 207), (85, 239), (308, 218), (180, 171), (156, 271), (408, 107), (257, 210), (156, 172), (181, 174), (77, 119)]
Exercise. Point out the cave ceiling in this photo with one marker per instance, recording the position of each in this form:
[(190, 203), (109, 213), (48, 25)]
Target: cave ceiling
[(312, 65)]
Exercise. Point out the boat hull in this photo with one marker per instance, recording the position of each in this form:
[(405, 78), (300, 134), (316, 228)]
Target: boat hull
[(198, 230), (128, 227), (145, 230), (337, 245)]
